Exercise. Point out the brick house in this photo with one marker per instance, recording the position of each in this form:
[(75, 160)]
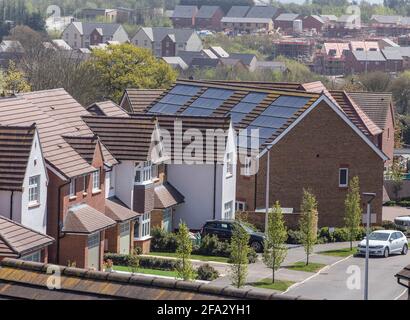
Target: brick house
[(314, 22), (331, 59), (364, 61), (77, 213), (184, 16), (284, 120), (285, 22), (209, 17)]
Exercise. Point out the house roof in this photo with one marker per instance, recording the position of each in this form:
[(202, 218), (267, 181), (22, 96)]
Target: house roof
[(118, 211), (219, 51), (188, 56), (83, 219), (139, 99), (271, 65), (107, 108), (392, 54), (262, 12), (106, 29), (386, 19), (245, 20), (166, 196), (48, 109), (29, 281), (85, 146), (375, 105), (403, 51), (368, 56), (246, 58), (209, 53), (157, 34), (131, 138), (17, 240), (201, 62), (287, 17), (207, 11), (15, 148), (61, 44), (364, 45), (329, 17), (238, 11), (318, 18), (176, 62), (184, 11), (11, 46)]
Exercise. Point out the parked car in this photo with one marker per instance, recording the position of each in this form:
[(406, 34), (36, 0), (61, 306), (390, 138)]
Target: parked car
[(385, 242), (403, 222), (223, 229)]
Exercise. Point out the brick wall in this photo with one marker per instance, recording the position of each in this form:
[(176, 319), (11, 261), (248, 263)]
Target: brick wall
[(310, 156), (388, 136), (112, 236), (258, 219), (145, 245)]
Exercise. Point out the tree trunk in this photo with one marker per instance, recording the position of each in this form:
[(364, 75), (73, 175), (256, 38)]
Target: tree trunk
[(273, 275), (307, 259)]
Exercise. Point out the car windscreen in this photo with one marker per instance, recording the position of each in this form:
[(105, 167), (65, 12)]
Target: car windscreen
[(380, 236)]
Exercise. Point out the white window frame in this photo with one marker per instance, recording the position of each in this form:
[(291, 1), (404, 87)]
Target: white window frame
[(247, 166), (240, 206), (343, 185), (72, 188), (229, 164), (144, 226), (92, 240), (96, 181), (228, 210), (33, 257), (34, 190), (124, 229), (85, 185), (144, 170)]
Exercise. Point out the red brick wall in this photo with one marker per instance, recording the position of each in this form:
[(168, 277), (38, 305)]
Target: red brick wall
[(73, 248), (310, 156), (388, 136), (112, 236), (311, 23)]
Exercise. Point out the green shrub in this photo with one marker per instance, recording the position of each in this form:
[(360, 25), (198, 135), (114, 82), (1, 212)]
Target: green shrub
[(211, 246), (404, 203), (341, 235), (390, 203), (163, 241), (294, 237), (325, 235), (117, 259), (207, 272), (144, 262)]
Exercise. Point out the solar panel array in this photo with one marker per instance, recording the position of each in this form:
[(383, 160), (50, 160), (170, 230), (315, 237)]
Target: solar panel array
[(247, 104), (208, 102)]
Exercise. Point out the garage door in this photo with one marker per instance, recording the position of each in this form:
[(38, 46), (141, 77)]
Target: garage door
[(125, 238), (94, 251)]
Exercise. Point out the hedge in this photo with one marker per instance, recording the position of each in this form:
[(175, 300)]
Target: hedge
[(144, 262)]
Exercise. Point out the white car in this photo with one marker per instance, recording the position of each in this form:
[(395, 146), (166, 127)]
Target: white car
[(385, 242)]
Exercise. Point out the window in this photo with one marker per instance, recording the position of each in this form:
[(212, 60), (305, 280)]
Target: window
[(229, 164), (343, 177), (85, 183), (124, 229), (248, 166), (96, 180), (72, 188), (34, 190), (143, 226), (94, 240), (228, 211), (240, 206), (143, 172), (34, 257)]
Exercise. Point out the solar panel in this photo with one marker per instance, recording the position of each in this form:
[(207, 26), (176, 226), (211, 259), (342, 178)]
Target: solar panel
[(207, 103), (221, 94), (197, 112), (244, 107), (175, 99), (164, 108), (267, 121), (276, 111), (237, 117), (254, 97), (185, 90), (293, 102)]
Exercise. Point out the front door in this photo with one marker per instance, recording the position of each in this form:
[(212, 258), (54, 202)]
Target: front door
[(125, 238), (94, 251)]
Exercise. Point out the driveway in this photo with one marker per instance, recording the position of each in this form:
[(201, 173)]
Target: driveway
[(332, 283), (389, 213)]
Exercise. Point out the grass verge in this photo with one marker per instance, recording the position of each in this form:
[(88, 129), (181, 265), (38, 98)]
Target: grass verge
[(301, 266), (193, 256), (154, 272), (279, 285), (340, 252)]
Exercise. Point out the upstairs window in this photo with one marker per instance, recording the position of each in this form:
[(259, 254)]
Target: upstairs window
[(96, 181), (228, 211), (343, 177), (85, 183), (34, 190), (72, 188), (144, 172), (229, 164)]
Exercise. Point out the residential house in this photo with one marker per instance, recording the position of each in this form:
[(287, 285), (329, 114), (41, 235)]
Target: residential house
[(262, 11), (10, 50), (219, 52), (247, 59), (390, 25), (92, 14), (209, 17), (85, 34), (285, 119), (167, 42), (137, 100), (285, 22), (346, 25), (77, 166), (184, 16), (364, 61), (314, 22), (394, 60), (331, 59), (238, 11), (247, 24), (393, 55), (23, 195), (299, 48), (160, 178), (176, 63)]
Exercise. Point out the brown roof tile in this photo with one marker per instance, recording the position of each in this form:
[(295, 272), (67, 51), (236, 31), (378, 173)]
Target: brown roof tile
[(17, 240), (107, 108), (118, 211), (167, 196), (28, 280), (84, 219), (139, 99), (15, 148)]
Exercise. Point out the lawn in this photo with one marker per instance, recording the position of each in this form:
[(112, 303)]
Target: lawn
[(193, 256), (154, 272), (340, 253), (301, 266), (278, 285)]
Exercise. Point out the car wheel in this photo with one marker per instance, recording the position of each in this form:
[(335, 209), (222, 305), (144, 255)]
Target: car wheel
[(386, 252), (257, 246), (405, 249)]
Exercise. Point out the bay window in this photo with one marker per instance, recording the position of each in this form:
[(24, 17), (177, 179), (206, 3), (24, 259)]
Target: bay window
[(144, 172), (143, 226)]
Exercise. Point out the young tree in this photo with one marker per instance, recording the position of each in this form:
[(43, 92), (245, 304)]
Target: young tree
[(14, 81), (396, 176), (353, 210), (133, 261), (184, 249), (123, 66), (275, 248), (239, 256), (308, 222)]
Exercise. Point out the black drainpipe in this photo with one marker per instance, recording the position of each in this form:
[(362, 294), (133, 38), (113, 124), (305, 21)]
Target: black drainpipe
[(214, 200), (59, 209), (11, 204)]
